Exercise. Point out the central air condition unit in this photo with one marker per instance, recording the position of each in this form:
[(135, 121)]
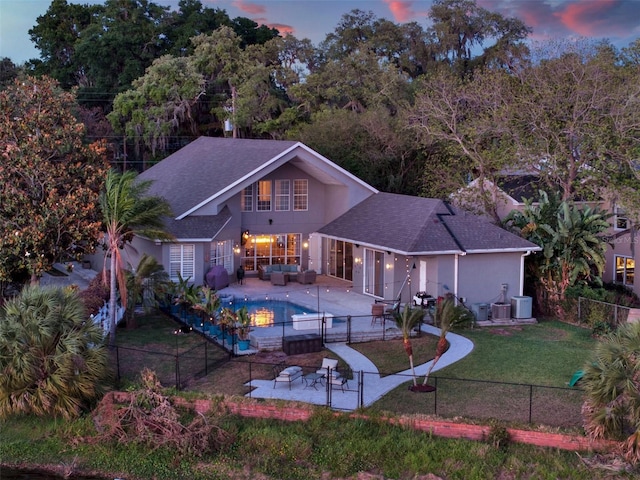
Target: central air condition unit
[(500, 311), (521, 307), (481, 311)]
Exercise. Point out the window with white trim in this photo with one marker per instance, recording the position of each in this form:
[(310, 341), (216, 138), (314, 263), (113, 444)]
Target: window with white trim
[(182, 261), (222, 254), (625, 270), (282, 195), (300, 195), (622, 222), (246, 201), (264, 196)]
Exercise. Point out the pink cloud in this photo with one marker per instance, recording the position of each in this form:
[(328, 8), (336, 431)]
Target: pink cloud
[(282, 28), (402, 11), (586, 18), (589, 18), (250, 8)]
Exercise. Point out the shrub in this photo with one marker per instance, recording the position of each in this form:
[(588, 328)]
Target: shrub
[(52, 359), (95, 295)]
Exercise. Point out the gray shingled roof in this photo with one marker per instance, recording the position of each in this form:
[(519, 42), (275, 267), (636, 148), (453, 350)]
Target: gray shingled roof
[(416, 225), (206, 166), (198, 227)]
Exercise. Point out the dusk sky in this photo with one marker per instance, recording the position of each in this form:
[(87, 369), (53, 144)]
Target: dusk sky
[(617, 20)]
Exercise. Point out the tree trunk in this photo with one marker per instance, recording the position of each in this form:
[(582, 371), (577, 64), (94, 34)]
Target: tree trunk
[(112, 301)]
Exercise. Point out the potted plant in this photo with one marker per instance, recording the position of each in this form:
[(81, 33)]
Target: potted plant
[(208, 307), (227, 322), (243, 326)]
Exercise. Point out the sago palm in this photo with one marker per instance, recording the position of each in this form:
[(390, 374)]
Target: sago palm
[(407, 320), (127, 210), (52, 359)]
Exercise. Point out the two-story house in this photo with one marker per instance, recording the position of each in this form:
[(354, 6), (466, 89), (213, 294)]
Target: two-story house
[(239, 202)]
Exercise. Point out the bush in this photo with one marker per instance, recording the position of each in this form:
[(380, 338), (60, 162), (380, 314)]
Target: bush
[(95, 295)]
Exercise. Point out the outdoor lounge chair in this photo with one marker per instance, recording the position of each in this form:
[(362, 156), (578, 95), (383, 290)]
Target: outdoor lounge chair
[(338, 380), (329, 367), (288, 375)]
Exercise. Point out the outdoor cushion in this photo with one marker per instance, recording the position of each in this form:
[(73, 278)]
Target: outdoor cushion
[(290, 371)]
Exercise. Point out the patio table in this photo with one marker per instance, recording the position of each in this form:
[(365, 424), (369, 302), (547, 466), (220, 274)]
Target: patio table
[(313, 379)]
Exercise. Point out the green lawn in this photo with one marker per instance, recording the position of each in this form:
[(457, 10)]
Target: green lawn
[(547, 353), (494, 381)]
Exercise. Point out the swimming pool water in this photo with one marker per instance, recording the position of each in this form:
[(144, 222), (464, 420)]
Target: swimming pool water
[(268, 313)]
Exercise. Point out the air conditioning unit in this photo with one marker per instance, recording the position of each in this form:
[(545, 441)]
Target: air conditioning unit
[(481, 311), (500, 311), (521, 307)]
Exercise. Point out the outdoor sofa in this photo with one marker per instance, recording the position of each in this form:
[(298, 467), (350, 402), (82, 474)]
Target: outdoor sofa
[(291, 272)]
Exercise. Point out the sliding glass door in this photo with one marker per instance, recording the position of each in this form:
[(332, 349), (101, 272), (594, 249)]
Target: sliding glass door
[(374, 272)]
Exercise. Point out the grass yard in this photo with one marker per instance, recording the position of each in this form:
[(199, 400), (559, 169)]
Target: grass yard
[(545, 354), (493, 382), (329, 446)]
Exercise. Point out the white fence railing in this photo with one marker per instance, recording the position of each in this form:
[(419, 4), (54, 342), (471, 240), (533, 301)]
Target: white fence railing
[(102, 317)]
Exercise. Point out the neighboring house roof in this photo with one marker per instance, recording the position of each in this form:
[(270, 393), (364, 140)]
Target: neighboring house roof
[(421, 226), (520, 187)]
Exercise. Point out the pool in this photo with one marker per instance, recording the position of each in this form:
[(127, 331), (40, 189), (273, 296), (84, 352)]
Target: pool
[(268, 313)]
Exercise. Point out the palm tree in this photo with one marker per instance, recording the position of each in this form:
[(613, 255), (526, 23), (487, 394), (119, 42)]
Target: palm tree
[(127, 210), (145, 285), (611, 383), (448, 316), (52, 358), (406, 320)]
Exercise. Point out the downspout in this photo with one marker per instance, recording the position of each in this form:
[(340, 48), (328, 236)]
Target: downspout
[(456, 273), (522, 271)]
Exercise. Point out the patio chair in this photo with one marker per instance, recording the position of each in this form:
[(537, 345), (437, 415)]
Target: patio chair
[(329, 368), (377, 313), (340, 380), (287, 375)]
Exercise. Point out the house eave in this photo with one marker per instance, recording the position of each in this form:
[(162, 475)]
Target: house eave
[(506, 250)]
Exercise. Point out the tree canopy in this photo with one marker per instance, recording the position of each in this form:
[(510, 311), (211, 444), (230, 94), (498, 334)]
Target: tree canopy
[(50, 180)]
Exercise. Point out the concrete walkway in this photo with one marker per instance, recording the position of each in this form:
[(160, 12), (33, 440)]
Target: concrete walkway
[(374, 386)]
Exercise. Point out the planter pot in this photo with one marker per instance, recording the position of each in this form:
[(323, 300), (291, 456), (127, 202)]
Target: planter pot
[(243, 344)]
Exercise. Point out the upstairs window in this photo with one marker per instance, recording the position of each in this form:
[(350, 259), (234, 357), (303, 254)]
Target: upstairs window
[(246, 201), (300, 195), (264, 196), (622, 222), (282, 195)]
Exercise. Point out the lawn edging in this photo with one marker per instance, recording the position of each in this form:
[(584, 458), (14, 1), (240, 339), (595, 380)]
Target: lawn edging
[(293, 412)]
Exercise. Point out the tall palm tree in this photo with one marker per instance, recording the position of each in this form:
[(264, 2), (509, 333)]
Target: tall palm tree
[(127, 210), (406, 320), (611, 383), (53, 360)]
